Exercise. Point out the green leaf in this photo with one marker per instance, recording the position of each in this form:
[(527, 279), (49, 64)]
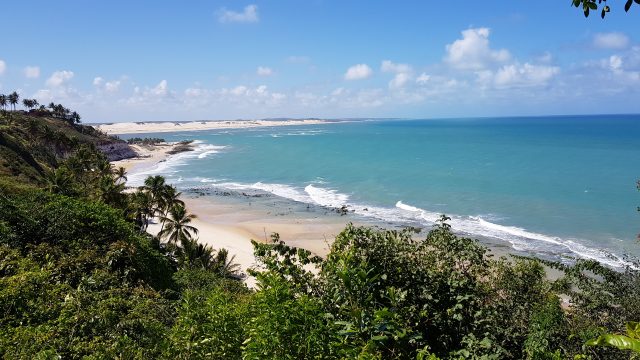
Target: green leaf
[(586, 12), (627, 6), (592, 5), (576, 3), (633, 330), (621, 342), (602, 13)]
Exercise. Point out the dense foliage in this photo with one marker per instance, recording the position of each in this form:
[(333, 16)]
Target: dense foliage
[(81, 277)]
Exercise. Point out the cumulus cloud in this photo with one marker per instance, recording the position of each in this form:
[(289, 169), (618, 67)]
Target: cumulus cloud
[(403, 73), (108, 86), (264, 71), (248, 15), (473, 52), (611, 40), (32, 72), (358, 72), (516, 75), (59, 78), (399, 81), (3, 66)]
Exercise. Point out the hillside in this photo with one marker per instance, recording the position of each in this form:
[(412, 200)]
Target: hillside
[(33, 142)]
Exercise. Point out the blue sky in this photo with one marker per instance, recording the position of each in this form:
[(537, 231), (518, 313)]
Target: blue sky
[(169, 60)]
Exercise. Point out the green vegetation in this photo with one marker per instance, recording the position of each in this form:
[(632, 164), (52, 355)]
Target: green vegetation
[(592, 5), (145, 141), (80, 277)]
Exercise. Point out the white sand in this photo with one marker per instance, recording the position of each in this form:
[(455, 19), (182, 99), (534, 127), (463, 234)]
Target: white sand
[(233, 227), (152, 127)]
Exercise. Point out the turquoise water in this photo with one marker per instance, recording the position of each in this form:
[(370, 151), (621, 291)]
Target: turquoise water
[(546, 185)]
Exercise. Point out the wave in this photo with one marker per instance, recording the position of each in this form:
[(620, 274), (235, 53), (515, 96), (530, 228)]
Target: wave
[(405, 214), (401, 214), (326, 197), (169, 166)]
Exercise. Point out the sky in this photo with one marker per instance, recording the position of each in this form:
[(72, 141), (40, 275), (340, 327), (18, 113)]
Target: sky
[(115, 61)]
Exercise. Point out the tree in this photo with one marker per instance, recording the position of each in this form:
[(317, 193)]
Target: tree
[(3, 101), (120, 174), (13, 99), (28, 104), (75, 118), (592, 5), (177, 226)]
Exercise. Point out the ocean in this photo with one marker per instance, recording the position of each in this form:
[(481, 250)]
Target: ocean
[(557, 187)]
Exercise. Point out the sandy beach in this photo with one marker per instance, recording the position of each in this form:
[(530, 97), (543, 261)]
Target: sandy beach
[(233, 225), (166, 126)]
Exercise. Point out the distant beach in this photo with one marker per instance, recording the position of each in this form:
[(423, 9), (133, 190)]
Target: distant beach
[(166, 126)]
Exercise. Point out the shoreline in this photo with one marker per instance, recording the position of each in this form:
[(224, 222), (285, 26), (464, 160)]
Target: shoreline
[(231, 222), (232, 225), (160, 127)]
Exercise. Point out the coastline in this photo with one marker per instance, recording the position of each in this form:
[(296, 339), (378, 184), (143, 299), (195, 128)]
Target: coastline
[(159, 127), (233, 223)]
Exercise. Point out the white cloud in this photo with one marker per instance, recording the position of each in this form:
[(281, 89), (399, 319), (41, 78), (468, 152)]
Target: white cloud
[(248, 15), (239, 90), (59, 78), (389, 66), (357, 72), (423, 79), (162, 89), (3, 66), (473, 52), (615, 62), (611, 40), (32, 72), (400, 80), (264, 71), (107, 86), (515, 75), (112, 86), (403, 73)]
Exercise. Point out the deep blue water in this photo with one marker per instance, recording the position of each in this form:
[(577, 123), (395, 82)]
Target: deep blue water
[(552, 185)]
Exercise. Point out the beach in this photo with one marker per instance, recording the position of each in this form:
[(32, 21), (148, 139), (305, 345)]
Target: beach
[(166, 126), (233, 222)]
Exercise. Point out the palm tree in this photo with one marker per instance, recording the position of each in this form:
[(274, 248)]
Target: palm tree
[(60, 181), (28, 104), (226, 266), (177, 225), (144, 208), (120, 174), (13, 99), (193, 254), (110, 192), (3, 101), (154, 185)]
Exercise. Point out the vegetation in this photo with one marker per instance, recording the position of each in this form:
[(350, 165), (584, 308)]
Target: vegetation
[(593, 5), (81, 277), (145, 141)]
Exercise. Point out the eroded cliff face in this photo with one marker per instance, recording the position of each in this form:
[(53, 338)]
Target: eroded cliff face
[(117, 151)]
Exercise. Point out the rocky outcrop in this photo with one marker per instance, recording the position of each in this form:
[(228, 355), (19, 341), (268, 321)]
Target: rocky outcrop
[(117, 151)]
